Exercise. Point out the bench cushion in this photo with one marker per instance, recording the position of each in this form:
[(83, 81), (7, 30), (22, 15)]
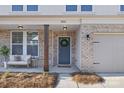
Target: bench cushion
[(25, 60), (17, 58), (17, 63)]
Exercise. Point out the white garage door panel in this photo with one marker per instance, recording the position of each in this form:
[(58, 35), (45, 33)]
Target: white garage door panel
[(109, 53)]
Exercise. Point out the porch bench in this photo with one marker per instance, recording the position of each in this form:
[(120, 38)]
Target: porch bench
[(25, 60)]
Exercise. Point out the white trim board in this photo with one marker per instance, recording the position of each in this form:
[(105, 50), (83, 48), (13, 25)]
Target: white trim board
[(109, 33), (102, 21)]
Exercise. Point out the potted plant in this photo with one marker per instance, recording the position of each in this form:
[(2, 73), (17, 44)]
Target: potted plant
[(4, 51)]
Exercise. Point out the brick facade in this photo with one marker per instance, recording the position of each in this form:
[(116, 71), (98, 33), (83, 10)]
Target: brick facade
[(4, 40), (86, 46), (53, 39)]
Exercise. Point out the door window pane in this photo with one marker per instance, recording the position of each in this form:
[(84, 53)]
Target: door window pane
[(32, 38), (32, 50), (17, 49), (17, 37)]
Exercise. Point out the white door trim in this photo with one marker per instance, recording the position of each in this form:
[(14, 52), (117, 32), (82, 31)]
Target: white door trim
[(58, 50)]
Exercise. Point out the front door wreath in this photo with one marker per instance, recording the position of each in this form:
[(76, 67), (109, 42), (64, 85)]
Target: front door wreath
[(64, 42)]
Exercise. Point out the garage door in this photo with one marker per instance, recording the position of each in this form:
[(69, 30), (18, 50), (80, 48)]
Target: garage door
[(109, 52)]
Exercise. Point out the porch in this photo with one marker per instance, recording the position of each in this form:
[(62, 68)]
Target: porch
[(54, 69), (38, 33)]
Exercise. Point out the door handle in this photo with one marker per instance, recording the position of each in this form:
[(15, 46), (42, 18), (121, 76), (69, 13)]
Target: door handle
[(96, 42), (96, 63)]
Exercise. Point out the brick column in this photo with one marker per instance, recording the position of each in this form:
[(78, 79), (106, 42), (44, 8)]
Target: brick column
[(86, 49)]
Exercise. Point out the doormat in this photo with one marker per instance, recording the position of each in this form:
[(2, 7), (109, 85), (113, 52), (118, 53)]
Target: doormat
[(65, 66)]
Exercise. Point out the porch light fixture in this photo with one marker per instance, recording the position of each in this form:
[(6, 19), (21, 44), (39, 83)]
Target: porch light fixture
[(88, 36), (20, 27), (64, 28)]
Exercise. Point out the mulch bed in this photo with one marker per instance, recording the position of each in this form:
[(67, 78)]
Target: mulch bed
[(27, 80), (87, 78)]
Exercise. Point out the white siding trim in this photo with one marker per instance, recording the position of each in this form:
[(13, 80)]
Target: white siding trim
[(52, 47), (25, 43)]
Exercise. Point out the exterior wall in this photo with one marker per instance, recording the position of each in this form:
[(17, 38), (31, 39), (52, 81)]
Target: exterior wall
[(106, 10), (42, 10), (53, 40), (78, 48), (80, 45), (61, 10), (53, 37), (41, 48), (4, 40), (87, 45)]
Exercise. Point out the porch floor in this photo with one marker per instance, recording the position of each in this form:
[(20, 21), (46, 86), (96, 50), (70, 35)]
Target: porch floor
[(64, 70), (28, 70), (52, 69)]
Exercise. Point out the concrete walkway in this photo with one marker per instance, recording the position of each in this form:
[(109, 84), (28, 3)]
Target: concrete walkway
[(65, 81)]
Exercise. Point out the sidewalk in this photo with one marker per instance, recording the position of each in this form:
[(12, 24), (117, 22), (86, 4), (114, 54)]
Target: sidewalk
[(65, 81)]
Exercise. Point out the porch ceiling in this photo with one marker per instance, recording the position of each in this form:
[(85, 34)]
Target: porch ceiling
[(41, 27)]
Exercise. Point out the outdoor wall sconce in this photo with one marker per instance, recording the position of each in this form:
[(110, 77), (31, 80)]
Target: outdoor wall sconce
[(20, 27), (88, 36), (64, 28)]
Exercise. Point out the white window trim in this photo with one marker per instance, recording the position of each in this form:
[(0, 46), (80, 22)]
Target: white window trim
[(24, 42)]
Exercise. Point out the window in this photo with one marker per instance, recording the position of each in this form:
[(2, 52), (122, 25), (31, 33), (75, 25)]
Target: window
[(71, 7), (25, 43), (32, 7), (17, 43), (121, 7), (17, 7), (86, 7), (32, 43)]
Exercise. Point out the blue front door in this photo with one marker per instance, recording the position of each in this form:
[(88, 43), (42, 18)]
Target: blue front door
[(64, 50)]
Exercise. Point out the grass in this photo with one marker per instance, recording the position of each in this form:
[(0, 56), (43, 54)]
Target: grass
[(87, 78), (27, 80)]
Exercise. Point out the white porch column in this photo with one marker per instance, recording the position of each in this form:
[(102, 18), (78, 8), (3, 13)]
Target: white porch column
[(25, 43)]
